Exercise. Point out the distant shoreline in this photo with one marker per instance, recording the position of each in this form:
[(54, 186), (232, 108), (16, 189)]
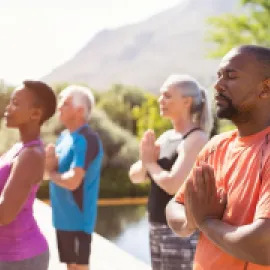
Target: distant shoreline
[(123, 201), (118, 201)]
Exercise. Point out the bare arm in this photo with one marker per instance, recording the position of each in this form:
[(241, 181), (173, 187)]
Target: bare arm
[(170, 181), (27, 170), (249, 243), (70, 180), (137, 172), (177, 219)]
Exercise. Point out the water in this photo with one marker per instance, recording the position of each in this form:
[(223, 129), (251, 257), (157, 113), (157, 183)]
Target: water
[(127, 227)]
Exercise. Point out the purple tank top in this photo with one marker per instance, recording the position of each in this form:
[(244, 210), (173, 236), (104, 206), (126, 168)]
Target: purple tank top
[(21, 239)]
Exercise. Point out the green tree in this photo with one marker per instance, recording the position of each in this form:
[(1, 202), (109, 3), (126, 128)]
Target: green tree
[(250, 27), (5, 91), (147, 117), (118, 103)]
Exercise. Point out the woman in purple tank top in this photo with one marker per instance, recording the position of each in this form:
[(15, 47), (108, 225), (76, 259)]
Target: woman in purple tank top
[(22, 245)]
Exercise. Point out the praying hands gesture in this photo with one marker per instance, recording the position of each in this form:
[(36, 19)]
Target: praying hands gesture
[(202, 200), (149, 150)]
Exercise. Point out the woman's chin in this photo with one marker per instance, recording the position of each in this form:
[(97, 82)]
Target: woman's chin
[(164, 114), (8, 124)]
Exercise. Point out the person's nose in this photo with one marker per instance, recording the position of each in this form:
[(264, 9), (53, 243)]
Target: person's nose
[(220, 85)]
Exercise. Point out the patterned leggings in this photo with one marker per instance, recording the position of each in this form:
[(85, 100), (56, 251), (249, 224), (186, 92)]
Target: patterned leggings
[(169, 251), (40, 262)]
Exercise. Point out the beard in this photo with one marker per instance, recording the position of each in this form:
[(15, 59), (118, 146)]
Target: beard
[(229, 112)]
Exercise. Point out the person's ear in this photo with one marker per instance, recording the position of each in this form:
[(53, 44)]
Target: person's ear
[(36, 114), (80, 111), (265, 91), (188, 101)]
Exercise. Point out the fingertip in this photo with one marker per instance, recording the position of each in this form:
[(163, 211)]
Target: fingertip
[(222, 194), (145, 133), (223, 199), (205, 166), (199, 169)]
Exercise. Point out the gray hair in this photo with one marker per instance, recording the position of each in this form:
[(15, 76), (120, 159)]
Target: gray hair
[(189, 87), (81, 97)]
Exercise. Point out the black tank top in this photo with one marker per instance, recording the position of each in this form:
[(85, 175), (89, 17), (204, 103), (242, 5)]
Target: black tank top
[(158, 198)]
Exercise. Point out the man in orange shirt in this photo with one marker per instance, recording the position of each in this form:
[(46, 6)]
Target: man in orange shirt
[(227, 194)]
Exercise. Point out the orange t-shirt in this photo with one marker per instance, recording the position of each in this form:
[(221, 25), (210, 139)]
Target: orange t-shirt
[(242, 169)]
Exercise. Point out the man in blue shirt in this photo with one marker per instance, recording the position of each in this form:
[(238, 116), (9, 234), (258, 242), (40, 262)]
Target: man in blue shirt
[(73, 166)]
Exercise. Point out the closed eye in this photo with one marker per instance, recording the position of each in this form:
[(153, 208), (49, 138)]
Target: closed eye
[(167, 95), (231, 75), (14, 101)]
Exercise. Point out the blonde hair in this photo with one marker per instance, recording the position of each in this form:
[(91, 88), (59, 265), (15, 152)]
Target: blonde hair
[(200, 109)]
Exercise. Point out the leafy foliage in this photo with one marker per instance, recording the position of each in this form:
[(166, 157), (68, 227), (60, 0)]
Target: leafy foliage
[(5, 91), (147, 117), (118, 103), (250, 27)]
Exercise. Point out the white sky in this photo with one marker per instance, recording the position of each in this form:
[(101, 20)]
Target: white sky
[(38, 35)]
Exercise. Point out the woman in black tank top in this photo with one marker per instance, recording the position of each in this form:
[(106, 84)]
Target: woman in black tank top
[(167, 162)]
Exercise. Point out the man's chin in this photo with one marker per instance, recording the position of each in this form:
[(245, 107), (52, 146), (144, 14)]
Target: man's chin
[(224, 114)]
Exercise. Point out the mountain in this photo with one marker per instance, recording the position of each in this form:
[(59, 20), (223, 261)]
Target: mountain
[(144, 54)]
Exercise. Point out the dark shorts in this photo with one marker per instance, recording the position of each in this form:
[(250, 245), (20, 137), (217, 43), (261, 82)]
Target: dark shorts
[(74, 247)]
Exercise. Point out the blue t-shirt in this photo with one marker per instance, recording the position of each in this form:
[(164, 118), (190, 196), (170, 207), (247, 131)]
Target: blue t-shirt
[(77, 210)]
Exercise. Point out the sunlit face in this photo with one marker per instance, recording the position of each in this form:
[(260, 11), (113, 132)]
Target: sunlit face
[(239, 78), (171, 102), (21, 110), (66, 109)]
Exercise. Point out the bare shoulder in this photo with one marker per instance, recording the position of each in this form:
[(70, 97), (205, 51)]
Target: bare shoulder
[(28, 167), (196, 140), (33, 155), (198, 136)]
